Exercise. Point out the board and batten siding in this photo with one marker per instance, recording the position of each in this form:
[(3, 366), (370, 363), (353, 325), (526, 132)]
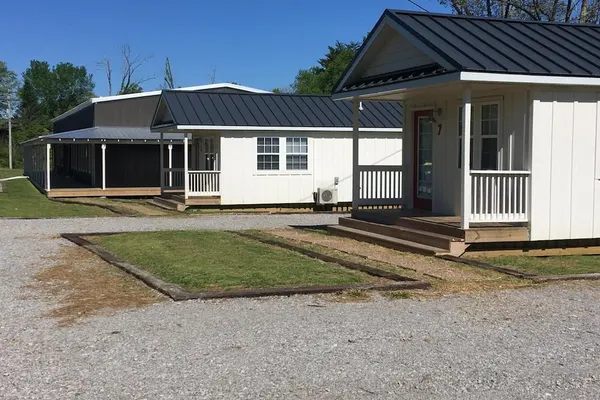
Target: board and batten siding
[(565, 191), (446, 174), (329, 156)]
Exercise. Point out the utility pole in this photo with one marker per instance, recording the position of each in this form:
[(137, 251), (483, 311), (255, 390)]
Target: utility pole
[(10, 163)]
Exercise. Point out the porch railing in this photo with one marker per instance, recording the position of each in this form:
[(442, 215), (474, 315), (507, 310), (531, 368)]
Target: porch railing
[(204, 183), (173, 178), (500, 196), (380, 185)]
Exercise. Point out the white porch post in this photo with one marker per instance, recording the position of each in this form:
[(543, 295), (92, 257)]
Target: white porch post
[(355, 141), (48, 167), (170, 165), (103, 167), (186, 179), (162, 162), (465, 209)]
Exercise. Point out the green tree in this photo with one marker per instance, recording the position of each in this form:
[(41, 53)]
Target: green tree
[(582, 11), (8, 101), (321, 78), (131, 88)]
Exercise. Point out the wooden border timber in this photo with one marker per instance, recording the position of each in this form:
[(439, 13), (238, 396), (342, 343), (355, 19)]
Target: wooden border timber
[(323, 257), (519, 274), (177, 293)]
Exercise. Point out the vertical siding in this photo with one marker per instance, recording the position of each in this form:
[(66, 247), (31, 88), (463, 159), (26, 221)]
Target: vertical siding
[(596, 211), (330, 156), (565, 125)]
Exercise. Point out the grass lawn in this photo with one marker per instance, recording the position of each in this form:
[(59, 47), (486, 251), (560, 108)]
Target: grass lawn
[(556, 265), (23, 200), (201, 260), (7, 173)]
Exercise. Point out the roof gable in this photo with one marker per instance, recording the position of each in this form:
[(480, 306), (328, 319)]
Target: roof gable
[(476, 44)]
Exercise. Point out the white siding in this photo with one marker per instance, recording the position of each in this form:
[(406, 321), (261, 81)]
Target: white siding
[(329, 156), (389, 52), (565, 129)]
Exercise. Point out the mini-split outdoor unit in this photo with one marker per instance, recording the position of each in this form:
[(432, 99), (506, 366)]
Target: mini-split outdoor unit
[(327, 196)]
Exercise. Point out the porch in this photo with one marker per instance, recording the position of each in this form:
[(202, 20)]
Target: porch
[(198, 181)]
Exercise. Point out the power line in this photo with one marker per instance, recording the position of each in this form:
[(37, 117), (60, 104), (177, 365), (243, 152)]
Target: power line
[(414, 3)]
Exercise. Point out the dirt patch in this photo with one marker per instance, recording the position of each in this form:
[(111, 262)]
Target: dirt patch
[(83, 285), (428, 266), (123, 207)]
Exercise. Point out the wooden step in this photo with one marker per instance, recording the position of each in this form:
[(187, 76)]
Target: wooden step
[(167, 204), (385, 241), (449, 243), (198, 201), (441, 229)]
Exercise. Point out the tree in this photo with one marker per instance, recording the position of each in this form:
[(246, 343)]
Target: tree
[(574, 11), (321, 78), (169, 82), (48, 92), (130, 65), (8, 99)]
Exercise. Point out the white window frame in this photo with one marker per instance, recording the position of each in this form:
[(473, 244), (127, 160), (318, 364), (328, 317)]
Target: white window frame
[(295, 153), (258, 154), (477, 144), (283, 156)]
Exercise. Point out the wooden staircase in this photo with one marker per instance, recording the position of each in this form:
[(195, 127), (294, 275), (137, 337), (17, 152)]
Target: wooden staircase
[(178, 202), (405, 234)]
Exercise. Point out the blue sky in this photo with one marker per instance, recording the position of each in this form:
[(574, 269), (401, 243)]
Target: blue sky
[(261, 43)]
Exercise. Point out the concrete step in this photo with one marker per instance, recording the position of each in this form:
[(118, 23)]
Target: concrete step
[(449, 243), (385, 241), (167, 204)]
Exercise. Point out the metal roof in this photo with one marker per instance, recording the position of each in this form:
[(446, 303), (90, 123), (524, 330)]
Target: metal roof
[(492, 45), (212, 86), (271, 110), (106, 134), (507, 46)]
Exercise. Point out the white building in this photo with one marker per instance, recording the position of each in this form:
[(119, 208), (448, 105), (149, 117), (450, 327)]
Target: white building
[(273, 149), (526, 93)]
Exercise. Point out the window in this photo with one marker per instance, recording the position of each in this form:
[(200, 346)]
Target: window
[(489, 136), (485, 122), (296, 158), (267, 150)]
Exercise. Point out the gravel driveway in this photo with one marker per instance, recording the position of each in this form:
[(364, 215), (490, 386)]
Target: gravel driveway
[(540, 343)]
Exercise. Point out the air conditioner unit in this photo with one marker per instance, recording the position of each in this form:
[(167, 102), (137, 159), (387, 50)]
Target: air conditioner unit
[(327, 196)]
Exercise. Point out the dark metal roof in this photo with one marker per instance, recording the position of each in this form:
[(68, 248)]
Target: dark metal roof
[(272, 110), (479, 44), (108, 134), (507, 46), (398, 76)]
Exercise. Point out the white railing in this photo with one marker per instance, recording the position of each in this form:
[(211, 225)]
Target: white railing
[(204, 183), (499, 196), (380, 185), (173, 178)]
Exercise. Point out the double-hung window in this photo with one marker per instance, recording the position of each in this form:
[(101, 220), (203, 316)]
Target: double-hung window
[(267, 154), (296, 158), (485, 127)]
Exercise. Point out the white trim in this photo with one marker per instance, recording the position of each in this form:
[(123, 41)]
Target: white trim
[(531, 79), (103, 166), (187, 128), (95, 100), (48, 167), (465, 209), (186, 179)]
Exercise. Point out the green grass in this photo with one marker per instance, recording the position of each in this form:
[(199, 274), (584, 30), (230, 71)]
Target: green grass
[(7, 173), (201, 260), (23, 200), (556, 265)]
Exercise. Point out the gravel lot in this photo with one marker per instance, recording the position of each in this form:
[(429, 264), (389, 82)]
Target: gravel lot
[(540, 343)]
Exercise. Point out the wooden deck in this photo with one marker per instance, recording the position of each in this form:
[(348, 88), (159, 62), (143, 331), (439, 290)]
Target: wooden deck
[(108, 192), (483, 232)]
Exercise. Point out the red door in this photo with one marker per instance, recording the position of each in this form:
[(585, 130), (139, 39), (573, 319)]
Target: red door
[(423, 159)]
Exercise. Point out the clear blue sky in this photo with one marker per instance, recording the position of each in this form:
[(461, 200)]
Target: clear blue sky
[(260, 43)]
